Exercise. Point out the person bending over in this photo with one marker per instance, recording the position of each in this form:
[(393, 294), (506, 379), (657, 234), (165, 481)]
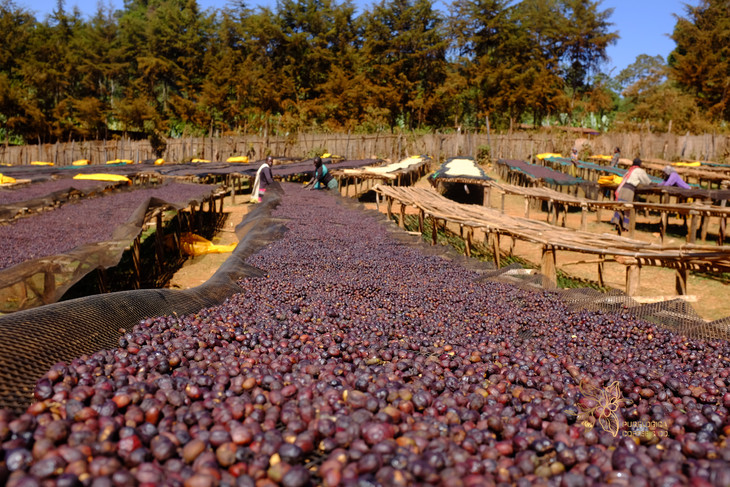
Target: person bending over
[(322, 179)]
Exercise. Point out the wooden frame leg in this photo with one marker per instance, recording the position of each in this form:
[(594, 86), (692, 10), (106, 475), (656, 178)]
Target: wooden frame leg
[(633, 276), (548, 267), (681, 281)]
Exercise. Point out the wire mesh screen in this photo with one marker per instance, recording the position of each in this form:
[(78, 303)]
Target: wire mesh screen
[(36, 339)]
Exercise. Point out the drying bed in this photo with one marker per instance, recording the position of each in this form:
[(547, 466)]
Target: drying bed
[(359, 359)]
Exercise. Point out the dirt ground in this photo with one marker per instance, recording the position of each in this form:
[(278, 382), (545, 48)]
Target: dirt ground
[(708, 296), (197, 270)]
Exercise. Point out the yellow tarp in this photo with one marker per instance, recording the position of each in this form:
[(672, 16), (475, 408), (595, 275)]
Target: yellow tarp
[(103, 177), (610, 180), (159, 162), (243, 159), (548, 154), (80, 162), (602, 156), (200, 160), (120, 161), (6, 179), (196, 245), (687, 164), (41, 163)]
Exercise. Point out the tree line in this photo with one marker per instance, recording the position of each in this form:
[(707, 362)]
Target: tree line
[(164, 68)]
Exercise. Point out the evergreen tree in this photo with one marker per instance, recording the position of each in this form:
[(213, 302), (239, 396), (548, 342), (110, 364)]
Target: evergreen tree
[(701, 61)]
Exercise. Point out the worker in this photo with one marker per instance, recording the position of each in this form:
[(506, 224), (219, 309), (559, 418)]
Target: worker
[(263, 179), (322, 179), (626, 191), (671, 178), (616, 156)]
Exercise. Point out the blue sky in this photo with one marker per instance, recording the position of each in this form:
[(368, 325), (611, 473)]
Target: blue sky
[(643, 25)]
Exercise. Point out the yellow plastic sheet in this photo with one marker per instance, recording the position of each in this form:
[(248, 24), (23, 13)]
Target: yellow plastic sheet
[(103, 177), (120, 161), (6, 179), (200, 160), (159, 162), (602, 156), (545, 155), (80, 162), (611, 180), (243, 159), (41, 163), (687, 164), (196, 245)]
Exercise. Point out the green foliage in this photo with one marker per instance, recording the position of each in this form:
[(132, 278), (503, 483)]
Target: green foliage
[(701, 61), (166, 67)]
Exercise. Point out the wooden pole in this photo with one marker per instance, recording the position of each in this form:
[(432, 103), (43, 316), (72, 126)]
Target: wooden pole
[(137, 278), (495, 248), (467, 242), (548, 267), (633, 275), (601, 281), (681, 281)]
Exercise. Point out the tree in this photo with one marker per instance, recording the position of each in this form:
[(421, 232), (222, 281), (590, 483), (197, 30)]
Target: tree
[(476, 30), (404, 56), (586, 36), (701, 61), (649, 96)]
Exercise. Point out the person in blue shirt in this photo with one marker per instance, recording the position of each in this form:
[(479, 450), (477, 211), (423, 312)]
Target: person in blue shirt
[(322, 179)]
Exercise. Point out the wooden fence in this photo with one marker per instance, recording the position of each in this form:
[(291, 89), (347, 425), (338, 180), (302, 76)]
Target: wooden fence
[(517, 145)]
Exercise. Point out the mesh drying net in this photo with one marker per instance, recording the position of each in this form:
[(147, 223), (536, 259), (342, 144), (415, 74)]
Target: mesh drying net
[(34, 340)]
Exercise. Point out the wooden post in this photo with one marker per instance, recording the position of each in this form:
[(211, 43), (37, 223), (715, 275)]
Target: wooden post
[(49, 285), (502, 206), (390, 208), (632, 221), (527, 207), (548, 268), (159, 242), (137, 281), (420, 221), (101, 279), (633, 275), (664, 224), (601, 282), (467, 242), (434, 231), (703, 227), (402, 222), (723, 223), (495, 248), (377, 199), (694, 220), (598, 214), (681, 281), (583, 217), (487, 196)]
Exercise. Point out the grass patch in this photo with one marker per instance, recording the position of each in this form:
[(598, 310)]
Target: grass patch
[(481, 252)]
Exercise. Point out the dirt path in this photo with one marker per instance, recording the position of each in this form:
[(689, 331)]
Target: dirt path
[(199, 269)]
